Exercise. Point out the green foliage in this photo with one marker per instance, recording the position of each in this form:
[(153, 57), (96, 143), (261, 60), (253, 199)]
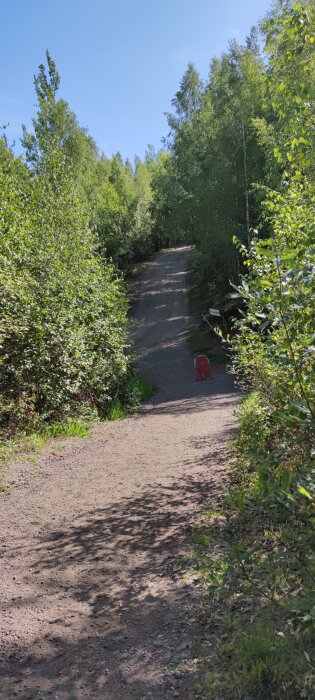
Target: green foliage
[(203, 193), (141, 389), (73, 427), (130, 395), (274, 343), (274, 339), (255, 556), (116, 411), (63, 314), (254, 420), (135, 390), (122, 211), (290, 42), (55, 122), (165, 212), (250, 125)]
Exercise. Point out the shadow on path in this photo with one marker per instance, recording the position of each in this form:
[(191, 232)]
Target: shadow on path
[(120, 563)]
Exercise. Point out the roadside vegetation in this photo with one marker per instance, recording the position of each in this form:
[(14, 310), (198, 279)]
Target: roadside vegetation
[(242, 158), (254, 553), (73, 223)]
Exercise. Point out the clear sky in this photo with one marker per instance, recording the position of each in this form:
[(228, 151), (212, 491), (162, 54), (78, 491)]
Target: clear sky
[(120, 61)]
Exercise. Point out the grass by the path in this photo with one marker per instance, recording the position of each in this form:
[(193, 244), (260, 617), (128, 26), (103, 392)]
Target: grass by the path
[(28, 446), (255, 558), (258, 612)]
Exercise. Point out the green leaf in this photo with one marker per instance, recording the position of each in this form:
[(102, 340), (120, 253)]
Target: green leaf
[(304, 492), (286, 480)]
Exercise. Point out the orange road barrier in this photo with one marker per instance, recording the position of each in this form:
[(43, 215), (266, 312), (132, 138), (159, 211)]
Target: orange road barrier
[(202, 368)]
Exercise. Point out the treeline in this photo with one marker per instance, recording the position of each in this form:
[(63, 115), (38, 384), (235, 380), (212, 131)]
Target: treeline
[(72, 221), (216, 154), (230, 138), (117, 195)]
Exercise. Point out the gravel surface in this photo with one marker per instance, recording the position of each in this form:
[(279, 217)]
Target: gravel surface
[(96, 598)]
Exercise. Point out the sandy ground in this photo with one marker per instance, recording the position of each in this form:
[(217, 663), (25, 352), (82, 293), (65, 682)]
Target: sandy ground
[(95, 598)]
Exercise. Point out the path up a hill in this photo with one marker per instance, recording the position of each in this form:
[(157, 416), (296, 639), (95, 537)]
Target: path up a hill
[(96, 602)]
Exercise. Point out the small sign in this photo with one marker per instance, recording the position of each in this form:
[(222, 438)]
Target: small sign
[(214, 312)]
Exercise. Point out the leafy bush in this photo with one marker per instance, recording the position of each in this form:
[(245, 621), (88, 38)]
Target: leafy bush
[(64, 348), (274, 344)]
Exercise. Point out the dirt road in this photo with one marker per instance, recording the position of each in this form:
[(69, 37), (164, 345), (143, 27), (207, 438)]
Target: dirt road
[(95, 599)]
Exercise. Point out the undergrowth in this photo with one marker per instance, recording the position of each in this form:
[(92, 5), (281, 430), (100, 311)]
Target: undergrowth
[(136, 390), (255, 557)]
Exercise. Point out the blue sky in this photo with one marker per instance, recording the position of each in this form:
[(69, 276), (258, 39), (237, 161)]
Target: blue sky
[(120, 61)]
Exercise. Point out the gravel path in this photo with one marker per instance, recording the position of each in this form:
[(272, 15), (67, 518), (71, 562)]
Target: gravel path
[(95, 599)]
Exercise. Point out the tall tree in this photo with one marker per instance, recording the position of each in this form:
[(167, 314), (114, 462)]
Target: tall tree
[(56, 124)]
